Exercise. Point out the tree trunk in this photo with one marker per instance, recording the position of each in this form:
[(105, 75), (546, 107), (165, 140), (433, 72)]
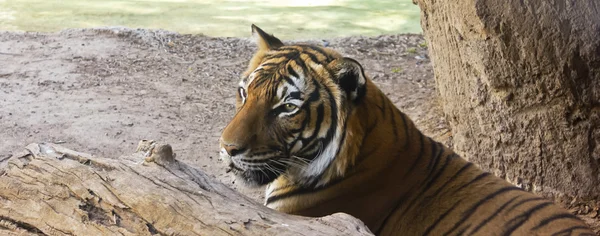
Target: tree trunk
[(520, 85), (50, 190)]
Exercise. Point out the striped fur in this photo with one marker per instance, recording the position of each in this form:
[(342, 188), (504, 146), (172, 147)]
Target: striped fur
[(325, 139)]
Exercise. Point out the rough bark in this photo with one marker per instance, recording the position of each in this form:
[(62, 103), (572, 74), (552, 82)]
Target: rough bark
[(520, 86), (50, 190)]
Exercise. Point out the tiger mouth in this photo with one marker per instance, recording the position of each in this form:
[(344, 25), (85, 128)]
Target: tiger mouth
[(257, 172), (245, 164)]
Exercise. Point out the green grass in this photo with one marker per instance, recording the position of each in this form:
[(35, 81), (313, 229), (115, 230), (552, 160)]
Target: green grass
[(397, 70), (288, 19)]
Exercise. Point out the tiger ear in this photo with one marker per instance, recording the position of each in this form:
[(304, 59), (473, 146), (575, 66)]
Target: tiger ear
[(265, 41), (350, 77)]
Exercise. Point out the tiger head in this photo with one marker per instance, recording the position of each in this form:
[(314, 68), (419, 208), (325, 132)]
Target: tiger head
[(292, 108)]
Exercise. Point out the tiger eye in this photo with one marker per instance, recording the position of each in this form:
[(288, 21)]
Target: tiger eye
[(290, 107)]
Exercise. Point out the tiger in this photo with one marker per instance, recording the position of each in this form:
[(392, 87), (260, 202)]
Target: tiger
[(320, 137)]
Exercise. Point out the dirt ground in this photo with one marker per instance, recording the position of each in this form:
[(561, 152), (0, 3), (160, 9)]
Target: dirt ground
[(100, 91)]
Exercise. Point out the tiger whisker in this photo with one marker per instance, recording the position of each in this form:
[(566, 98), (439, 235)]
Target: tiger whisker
[(281, 171), (300, 159), (294, 163)]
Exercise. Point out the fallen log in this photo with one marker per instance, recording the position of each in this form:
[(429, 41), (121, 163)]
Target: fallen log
[(51, 190)]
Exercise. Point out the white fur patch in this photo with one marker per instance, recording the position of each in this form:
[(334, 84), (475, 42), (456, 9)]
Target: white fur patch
[(243, 94), (269, 190)]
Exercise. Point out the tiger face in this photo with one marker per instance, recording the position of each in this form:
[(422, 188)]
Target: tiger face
[(291, 110)]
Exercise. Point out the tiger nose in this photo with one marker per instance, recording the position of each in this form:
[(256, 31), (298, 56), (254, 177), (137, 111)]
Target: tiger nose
[(233, 149)]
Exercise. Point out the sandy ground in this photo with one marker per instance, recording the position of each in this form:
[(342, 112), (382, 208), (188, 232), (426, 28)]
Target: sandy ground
[(100, 91)]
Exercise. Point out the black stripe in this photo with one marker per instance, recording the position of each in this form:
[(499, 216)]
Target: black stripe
[(568, 231), (321, 51), (519, 220), (302, 190), (475, 206), (462, 231), (312, 57), (282, 187), (487, 220), (310, 150), (453, 177), (272, 89), (320, 117), (406, 134), (394, 125), (334, 116), (290, 82), (553, 218), (329, 71), (304, 122), (367, 134), (295, 95), (371, 128), (436, 157), (302, 128), (343, 138), (479, 177), (382, 104), (268, 64), (259, 81), (315, 95), (301, 64), (290, 55), (421, 150), (367, 110), (292, 72), (439, 219), (525, 201)]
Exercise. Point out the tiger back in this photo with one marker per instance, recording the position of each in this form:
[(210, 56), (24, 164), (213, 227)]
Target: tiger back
[(311, 126)]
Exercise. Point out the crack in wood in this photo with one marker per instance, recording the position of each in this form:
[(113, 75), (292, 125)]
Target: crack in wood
[(109, 189), (23, 225), (203, 187), (59, 230)]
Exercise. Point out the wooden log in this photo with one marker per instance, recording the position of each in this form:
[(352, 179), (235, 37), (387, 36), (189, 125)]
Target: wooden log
[(51, 190)]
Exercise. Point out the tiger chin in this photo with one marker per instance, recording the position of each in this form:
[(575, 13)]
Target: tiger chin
[(319, 133)]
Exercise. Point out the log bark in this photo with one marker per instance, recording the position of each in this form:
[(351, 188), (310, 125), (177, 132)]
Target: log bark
[(520, 86), (51, 190)]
